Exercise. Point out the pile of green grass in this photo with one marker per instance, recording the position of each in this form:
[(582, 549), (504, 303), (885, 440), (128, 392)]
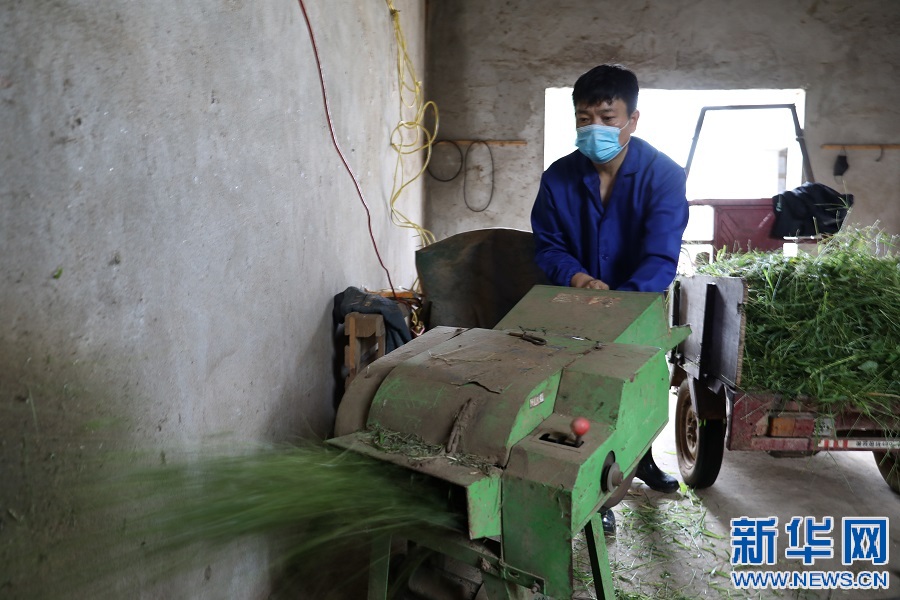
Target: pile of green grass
[(824, 326)]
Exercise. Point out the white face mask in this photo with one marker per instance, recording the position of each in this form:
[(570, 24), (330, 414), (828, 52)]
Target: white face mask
[(600, 143)]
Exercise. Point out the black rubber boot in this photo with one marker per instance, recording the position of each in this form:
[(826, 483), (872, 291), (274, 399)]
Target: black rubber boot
[(609, 521), (654, 477)]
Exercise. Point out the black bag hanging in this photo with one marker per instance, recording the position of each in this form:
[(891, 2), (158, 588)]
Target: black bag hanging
[(809, 210)]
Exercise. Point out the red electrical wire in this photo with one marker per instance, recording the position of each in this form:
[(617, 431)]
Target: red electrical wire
[(337, 146)]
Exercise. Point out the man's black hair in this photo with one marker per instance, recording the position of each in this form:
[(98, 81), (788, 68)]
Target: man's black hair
[(606, 83)]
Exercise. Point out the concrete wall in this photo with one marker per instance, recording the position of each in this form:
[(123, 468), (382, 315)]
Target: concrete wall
[(489, 63), (174, 223)]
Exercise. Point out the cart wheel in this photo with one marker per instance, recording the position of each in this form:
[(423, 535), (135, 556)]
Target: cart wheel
[(888, 462), (699, 446)]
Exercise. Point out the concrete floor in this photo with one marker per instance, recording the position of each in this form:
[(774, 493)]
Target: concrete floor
[(660, 550)]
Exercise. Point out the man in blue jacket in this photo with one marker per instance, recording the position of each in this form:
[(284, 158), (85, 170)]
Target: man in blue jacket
[(611, 214)]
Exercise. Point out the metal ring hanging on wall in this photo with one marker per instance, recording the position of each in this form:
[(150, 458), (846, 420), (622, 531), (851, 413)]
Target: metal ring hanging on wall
[(461, 160), (466, 176)]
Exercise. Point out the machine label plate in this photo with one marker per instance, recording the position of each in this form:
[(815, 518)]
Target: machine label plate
[(537, 400)]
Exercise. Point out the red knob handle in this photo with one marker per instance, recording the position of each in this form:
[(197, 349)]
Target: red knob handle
[(580, 426)]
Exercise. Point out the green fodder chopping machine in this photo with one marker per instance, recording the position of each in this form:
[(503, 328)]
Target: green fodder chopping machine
[(532, 426)]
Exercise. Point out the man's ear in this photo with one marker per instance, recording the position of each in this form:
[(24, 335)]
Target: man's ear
[(634, 117)]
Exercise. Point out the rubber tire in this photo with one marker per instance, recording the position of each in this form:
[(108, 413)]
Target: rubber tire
[(700, 447), (889, 466)]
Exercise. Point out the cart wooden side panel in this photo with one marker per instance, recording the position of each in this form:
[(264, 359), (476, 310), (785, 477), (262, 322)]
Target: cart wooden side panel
[(714, 308)]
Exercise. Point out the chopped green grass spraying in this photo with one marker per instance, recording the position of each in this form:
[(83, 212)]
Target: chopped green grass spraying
[(826, 326), (331, 495), (303, 503)]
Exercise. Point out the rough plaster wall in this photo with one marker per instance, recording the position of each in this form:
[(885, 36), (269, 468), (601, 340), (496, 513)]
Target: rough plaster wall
[(174, 223), (489, 63)]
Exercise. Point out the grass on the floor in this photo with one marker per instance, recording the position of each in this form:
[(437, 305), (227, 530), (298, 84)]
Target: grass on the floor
[(664, 550)]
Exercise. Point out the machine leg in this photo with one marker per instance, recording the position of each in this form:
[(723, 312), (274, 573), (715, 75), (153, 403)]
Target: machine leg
[(379, 567), (603, 583)]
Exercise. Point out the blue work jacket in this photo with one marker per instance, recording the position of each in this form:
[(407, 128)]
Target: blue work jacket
[(631, 244)]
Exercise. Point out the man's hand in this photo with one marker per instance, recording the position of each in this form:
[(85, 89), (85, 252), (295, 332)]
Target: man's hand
[(583, 280)]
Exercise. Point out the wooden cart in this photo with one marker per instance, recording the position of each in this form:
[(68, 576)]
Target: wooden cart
[(713, 412)]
